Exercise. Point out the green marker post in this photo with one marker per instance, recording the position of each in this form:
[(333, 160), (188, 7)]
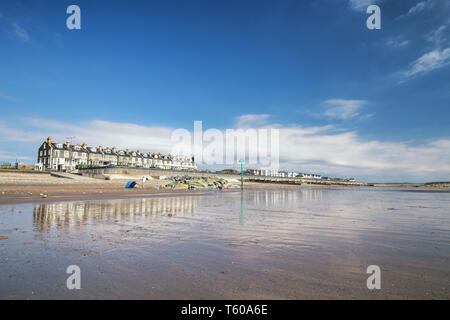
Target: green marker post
[(242, 192), (242, 173)]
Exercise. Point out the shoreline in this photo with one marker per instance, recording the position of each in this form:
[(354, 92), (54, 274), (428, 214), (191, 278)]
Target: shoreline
[(289, 241), (82, 192), (20, 187), (37, 193)]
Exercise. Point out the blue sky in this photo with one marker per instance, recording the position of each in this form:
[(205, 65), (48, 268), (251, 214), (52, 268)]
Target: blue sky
[(348, 101)]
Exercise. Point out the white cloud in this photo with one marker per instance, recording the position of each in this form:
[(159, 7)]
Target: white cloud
[(396, 43), (347, 154), (361, 5), (419, 7), (10, 134), (97, 132), (320, 149), (325, 150), (8, 156), (20, 32), (343, 109), (430, 61), (251, 120), (422, 5), (437, 35), (6, 97), (344, 153)]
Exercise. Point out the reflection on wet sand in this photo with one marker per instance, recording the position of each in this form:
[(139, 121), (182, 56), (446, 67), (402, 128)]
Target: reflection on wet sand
[(256, 244), (76, 214), (271, 198)]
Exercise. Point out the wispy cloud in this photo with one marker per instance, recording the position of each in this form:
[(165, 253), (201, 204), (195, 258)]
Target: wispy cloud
[(20, 32), (419, 7), (315, 149), (343, 109), (251, 120), (422, 5), (437, 36), (430, 61), (397, 43), (8, 133), (10, 98), (347, 153), (361, 5), (9, 156), (97, 132)]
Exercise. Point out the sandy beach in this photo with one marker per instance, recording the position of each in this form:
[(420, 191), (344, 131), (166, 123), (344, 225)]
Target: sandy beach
[(17, 187), (268, 242)]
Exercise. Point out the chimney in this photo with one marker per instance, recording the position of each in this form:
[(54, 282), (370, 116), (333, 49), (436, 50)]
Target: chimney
[(139, 152), (84, 146), (67, 144), (114, 150), (127, 151), (49, 141), (100, 148)]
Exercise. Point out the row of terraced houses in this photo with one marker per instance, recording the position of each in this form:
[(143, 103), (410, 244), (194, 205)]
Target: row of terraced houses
[(64, 156)]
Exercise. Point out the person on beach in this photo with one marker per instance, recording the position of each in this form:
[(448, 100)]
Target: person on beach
[(143, 182)]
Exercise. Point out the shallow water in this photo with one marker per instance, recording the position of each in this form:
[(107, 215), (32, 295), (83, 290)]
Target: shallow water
[(263, 244)]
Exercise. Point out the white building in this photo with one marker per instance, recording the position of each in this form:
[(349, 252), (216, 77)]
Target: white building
[(64, 156)]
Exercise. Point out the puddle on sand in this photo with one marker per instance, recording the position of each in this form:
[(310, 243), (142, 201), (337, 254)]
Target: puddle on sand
[(291, 243)]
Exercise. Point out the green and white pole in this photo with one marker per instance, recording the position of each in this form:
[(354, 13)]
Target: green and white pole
[(242, 192), (242, 173)]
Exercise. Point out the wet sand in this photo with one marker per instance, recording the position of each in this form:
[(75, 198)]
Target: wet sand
[(57, 189), (288, 243), (51, 193)]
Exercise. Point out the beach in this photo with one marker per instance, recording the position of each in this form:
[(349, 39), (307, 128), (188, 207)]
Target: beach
[(267, 242), (19, 187)]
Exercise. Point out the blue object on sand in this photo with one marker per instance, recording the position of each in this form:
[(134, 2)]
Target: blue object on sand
[(131, 184)]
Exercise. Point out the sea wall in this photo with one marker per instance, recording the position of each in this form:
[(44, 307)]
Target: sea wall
[(102, 173)]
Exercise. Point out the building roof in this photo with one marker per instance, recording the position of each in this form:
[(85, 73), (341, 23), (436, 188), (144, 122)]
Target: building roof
[(60, 146), (78, 148), (121, 153)]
